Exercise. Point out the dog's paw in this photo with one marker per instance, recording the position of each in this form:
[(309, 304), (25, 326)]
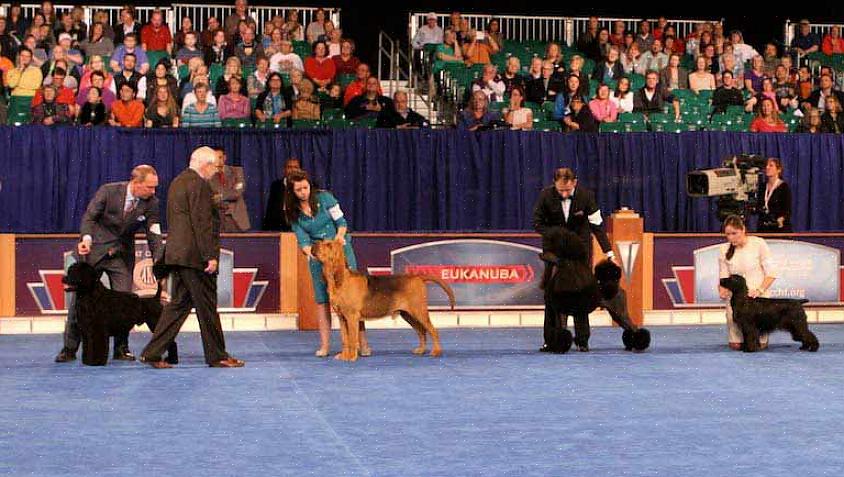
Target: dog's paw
[(641, 339), (436, 352), (419, 350)]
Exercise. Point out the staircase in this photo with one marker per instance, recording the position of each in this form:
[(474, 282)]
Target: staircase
[(396, 72)]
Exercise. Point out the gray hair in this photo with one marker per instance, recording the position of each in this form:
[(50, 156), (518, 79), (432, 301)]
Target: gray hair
[(202, 157)]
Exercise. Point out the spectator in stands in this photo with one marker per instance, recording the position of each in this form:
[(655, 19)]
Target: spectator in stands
[(448, 52), (399, 115), (217, 51), (93, 112), (701, 79), (17, 22), (129, 75), (97, 81), (130, 46), (266, 37), (727, 94), (535, 69), (741, 50), (249, 50), (189, 50), (234, 105), (346, 63), (162, 111), (128, 112), (587, 37), (66, 27), (644, 39), (811, 123), (562, 103), (654, 59), (805, 85), (329, 28), (668, 42), (285, 59), (370, 103), (480, 48), (631, 60), (753, 78), (201, 114), (805, 41), (818, 97), (319, 67), (185, 28), (233, 68), (64, 94), (674, 76), (770, 59), (610, 69), (292, 90), (50, 112), (273, 43), (6, 63), (8, 43), (160, 76), (334, 98), (335, 41), (256, 83), (212, 26), (728, 63), (428, 34), (490, 83), (127, 26), (833, 44), (477, 115), (24, 79), (544, 88), (317, 27), (190, 98), (493, 29), (786, 89), (274, 105), (705, 40), (293, 30), (77, 15), (463, 33), (580, 118), (42, 32), (232, 22), (516, 114), (767, 119), (39, 56), (512, 77), (603, 109), (71, 54), (69, 81), (622, 97), (659, 28), (600, 47), (832, 121), (306, 107), (96, 64), (48, 11), (195, 68), (617, 36), (155, 36), (98, 44), (653, 97)]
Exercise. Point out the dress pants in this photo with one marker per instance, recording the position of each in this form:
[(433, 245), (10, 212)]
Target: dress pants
[(120, 278), (192, 288)]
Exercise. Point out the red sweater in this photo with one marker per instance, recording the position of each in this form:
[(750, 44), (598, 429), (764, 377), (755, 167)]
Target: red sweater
[(319, 71)]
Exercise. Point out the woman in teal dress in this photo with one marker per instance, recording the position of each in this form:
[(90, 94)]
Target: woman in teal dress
[(316, 215)]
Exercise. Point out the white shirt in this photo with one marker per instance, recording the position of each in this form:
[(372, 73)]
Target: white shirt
[(625, 104), (752, 261), (190, 98), (277, 59), (426, 36)]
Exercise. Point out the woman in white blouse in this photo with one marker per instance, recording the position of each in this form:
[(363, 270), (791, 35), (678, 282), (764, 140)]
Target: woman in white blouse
[(623, 97), (517, 115), (750, 257), (701, 79)]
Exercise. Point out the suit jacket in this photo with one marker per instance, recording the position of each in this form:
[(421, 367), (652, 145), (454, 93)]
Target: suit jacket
[(548, 213), (274, 218), (641, 103), (779, 205), (536, 91), (229, 192), (390, 118), (601, 68), (113, 232), (682, 77), (194, 222)]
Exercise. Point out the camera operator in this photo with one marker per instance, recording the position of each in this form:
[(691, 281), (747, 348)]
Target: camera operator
[(775, 204)]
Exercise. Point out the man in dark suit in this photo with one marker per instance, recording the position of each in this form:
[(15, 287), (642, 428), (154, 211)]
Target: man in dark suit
[(228, 186), (192, 256), (114, 215), (566, 205), (544, 88), (274, 217), (400, 116)]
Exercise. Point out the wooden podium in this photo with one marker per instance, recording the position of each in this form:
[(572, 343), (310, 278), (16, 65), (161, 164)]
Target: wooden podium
[(626, 230)]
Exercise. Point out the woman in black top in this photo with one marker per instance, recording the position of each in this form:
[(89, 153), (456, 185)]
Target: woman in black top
[(93, 111), (775, 206), (832, 121)]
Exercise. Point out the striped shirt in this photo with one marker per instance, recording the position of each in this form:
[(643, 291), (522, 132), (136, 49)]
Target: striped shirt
[(193, 118)]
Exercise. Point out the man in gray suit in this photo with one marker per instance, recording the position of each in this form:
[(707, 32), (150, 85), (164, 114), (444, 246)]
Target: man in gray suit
[(192, 255), (114, 215), (228, 187)]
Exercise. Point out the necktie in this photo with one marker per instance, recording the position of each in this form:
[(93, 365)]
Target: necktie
[(130, 207)]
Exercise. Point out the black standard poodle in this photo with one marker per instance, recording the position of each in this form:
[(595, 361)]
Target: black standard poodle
[(102, 313), (757, 316)]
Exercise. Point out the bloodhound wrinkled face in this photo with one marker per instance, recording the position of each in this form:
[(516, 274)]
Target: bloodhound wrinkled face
[(329, 252)]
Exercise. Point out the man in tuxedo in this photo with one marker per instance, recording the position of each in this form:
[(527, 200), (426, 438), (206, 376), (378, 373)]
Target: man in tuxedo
[(274, 217), (228, 186), (565, 204), (192, 256), (114, 215)]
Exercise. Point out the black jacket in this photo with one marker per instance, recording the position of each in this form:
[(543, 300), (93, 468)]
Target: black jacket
[(193, 222), (829, 125), (356, 107), (779, 205), (548, 212), (641, 103), (601, 68), (723, 97), (274, 218), (390, 118), (537, 92)]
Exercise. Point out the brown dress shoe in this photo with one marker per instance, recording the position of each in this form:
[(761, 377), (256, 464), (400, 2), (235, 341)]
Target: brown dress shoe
[(65, 356), (229, 362), (156, 364)]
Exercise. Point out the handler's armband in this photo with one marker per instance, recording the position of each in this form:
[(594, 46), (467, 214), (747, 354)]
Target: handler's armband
[(335, 212), (595, 218)]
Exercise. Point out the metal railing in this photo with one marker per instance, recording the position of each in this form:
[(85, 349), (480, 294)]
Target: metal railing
[(543, 28), (399, 68), (790, 30)]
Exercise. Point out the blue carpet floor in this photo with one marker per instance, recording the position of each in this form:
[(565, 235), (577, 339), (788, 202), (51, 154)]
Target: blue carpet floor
[(491, 406)]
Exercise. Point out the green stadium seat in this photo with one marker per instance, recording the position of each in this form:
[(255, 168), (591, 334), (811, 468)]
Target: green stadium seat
[(306, 124), (331, 114), (236, 123), (547, 126), (633, 118)]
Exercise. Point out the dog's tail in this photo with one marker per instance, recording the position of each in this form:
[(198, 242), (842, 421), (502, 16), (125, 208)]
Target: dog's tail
[(443, 285)]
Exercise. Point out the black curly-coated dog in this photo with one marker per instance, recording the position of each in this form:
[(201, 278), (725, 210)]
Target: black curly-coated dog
[(757, 316), (614, 299), (102, 313)]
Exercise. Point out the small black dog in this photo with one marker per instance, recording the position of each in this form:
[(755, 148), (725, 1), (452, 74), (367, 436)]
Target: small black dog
[(102, 313), (762, 315)]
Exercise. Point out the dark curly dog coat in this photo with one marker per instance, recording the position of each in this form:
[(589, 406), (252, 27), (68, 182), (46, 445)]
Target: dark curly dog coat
[(757, 316), (102, 313), (571, 288)]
